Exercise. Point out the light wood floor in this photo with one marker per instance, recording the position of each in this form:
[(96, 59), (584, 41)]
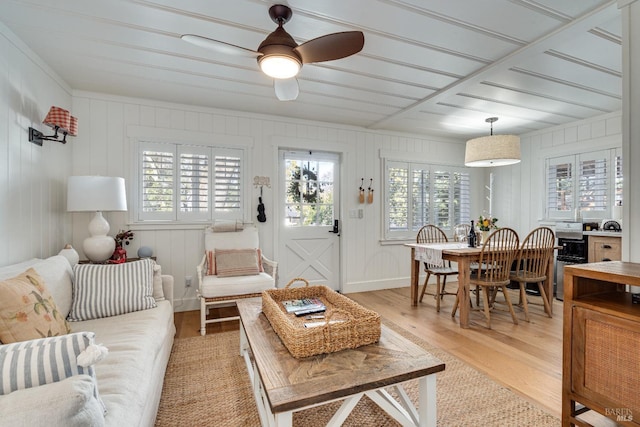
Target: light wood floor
[(526, 358)]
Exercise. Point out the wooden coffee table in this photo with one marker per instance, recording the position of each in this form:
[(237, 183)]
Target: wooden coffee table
[(283, 384)]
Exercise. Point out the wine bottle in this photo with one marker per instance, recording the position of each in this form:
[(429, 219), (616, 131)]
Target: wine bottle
[(472, 236)]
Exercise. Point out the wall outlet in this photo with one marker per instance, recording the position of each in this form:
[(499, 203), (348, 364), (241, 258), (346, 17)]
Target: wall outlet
[(187, 281)]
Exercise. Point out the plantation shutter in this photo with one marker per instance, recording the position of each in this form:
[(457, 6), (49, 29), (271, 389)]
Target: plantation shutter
[(157, 190), (397, 196), (593, 182), (189, 183), (194, 183), (418, 194), (227, 183), (442, 198), (461, 198), (420, 191), (560, 186)]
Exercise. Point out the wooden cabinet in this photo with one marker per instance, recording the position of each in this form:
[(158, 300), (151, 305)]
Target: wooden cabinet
[(605, 248), (601, 339)]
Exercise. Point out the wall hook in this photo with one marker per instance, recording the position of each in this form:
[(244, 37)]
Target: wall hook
[(361, 194), (370, 195)]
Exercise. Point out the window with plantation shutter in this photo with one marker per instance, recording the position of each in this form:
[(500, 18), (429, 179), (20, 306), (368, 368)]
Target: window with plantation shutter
[(590, 182), (227, 181), (593, 188), (560, 186), (419, 194), (180, 182)]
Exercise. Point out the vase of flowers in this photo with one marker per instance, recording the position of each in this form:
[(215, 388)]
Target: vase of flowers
[(122, 239), (486, 224)]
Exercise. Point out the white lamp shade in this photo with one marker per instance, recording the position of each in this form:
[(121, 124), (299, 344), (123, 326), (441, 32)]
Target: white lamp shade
[(493, 150), (96, 193), (279, 66)]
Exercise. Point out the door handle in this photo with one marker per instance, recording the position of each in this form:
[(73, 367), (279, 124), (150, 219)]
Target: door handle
[(606, 246), (336, 227)]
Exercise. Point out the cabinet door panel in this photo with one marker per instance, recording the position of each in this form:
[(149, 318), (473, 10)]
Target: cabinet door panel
[(606, 361)]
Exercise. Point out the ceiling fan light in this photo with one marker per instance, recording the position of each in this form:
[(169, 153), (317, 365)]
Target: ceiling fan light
[(279, 66)]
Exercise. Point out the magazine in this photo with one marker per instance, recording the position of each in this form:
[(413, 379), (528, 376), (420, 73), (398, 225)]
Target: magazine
[(304, 305)]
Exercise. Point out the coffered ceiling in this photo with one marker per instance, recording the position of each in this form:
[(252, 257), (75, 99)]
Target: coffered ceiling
[(438, 67)]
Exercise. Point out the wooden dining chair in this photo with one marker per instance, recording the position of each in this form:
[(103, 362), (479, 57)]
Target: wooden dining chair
[(496, 256), (432, 234), (461, 230), (533, 265)]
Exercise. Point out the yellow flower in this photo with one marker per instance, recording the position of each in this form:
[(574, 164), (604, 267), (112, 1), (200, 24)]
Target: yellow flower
[(485, 223)]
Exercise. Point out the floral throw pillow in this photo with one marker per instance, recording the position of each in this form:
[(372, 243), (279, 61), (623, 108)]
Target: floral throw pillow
[(27, 310)]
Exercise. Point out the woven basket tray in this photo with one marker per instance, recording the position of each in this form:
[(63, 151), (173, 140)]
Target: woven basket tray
[(358, 326)]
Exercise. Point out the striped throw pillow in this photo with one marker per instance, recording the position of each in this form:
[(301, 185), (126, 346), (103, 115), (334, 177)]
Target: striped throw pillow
[(104, 290), (28, 364), (237, 262)]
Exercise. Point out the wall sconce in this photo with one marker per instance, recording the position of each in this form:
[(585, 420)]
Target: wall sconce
[(61, 121)]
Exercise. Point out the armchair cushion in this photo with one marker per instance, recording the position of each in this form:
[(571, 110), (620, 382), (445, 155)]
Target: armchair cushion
[(216, 287)]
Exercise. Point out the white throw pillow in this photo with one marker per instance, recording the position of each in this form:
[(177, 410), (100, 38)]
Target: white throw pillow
[(70, 403), (104, 290)]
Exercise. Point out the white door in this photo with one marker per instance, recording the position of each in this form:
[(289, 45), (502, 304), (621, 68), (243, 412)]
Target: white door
[(309, 245)]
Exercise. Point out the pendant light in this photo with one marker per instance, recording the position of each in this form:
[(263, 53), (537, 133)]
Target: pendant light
[(492, 150)]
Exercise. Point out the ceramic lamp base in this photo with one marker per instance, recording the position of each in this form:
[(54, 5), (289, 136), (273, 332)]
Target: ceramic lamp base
[(98, 248)]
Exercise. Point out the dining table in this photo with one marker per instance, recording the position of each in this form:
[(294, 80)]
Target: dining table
[(463, 255)]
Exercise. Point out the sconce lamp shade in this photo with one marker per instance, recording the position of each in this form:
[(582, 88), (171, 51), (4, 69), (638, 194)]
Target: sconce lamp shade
[(60, 120), (97, 194), (493, 150)]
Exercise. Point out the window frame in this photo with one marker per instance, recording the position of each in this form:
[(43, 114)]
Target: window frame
[(176, 215), (456, 210)]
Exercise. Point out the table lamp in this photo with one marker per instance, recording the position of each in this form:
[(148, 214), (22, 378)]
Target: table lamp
[(97, 194)]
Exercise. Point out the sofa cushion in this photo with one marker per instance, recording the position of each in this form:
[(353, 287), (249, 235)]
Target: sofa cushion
[(70, 403), (104, 290), (215, 286), (27, 309), (139, 344), (43, 361)]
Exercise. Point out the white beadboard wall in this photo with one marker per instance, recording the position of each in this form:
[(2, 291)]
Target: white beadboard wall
[(33, 219), (105, 147)]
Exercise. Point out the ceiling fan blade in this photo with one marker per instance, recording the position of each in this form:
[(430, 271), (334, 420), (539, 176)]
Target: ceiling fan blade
[(331, 47), (286, 89), (219, 46)]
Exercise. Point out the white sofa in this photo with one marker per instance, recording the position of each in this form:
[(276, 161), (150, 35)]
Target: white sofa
[(129, 379)]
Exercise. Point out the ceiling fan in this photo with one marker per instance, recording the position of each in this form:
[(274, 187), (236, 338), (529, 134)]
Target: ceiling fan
[(280, 57)]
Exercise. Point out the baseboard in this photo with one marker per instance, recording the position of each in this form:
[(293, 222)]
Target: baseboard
[(186, 304), (375, 285)]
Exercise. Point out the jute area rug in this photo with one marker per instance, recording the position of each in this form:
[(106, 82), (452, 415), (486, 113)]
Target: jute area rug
[(207, 384)]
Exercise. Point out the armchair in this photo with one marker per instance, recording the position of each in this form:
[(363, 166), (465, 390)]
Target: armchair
[(232, 268)]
